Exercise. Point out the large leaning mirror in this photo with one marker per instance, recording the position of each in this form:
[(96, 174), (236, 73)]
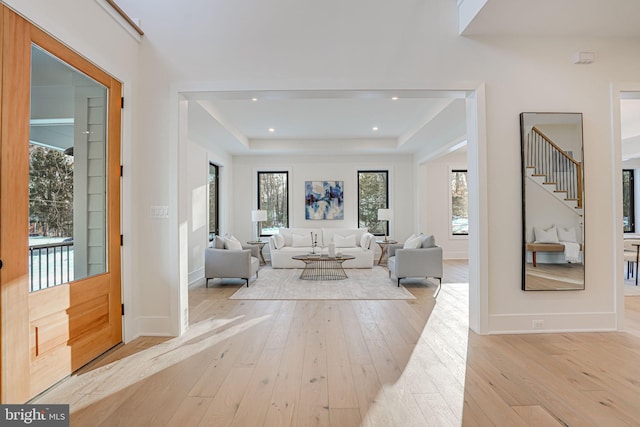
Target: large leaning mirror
[(552, 201)]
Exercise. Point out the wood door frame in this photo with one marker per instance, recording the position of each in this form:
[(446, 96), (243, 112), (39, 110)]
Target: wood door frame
[(14, 290), (16, 38)]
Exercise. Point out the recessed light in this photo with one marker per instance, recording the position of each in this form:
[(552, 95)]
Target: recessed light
[(394, 98), (375, 128), (254, 99), (272, 130)]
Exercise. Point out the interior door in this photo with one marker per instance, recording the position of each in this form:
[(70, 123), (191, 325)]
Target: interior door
[(60, 295)]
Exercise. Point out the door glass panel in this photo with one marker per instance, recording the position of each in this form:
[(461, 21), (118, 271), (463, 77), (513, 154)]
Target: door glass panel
[(67, 173)]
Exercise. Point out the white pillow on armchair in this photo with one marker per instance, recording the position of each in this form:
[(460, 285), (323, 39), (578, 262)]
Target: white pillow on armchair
[(413, 242), (233, 244)]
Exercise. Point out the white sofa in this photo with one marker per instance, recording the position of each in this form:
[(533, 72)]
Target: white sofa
[(296, 241)]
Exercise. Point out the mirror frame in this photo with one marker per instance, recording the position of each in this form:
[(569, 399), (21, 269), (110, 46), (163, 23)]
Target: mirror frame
[(557, 168)]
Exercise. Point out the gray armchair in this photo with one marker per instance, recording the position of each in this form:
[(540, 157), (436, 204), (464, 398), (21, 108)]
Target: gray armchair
[(420, 262), (228, 263)]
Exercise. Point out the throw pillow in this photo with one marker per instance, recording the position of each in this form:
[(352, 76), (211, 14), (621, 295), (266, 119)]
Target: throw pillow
[(365, 241), (233, 244), (219, 243), (413, 242), (429, 241), (549, 235), (567, 234), (278, 240), (345, 241), (301, 240)]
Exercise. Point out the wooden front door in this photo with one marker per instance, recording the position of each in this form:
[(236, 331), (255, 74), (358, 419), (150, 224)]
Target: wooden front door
[(60, 296)]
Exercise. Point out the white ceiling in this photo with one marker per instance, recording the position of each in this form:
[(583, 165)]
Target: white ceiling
[(373, 121)]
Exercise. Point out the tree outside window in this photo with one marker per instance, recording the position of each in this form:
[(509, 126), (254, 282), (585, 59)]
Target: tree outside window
[(459, 203), (273, 197), (50, 192), (373, 194)]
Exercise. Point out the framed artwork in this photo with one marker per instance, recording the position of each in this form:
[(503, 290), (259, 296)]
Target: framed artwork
[(324, 200)]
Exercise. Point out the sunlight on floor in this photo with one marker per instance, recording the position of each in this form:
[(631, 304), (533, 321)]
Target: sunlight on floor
[(433, 379), (116, 376)]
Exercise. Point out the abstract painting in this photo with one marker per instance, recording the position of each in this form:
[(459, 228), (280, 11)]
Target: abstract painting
[(324, 200)]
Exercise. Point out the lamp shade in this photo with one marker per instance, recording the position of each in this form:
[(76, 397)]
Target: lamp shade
[(385, 214), (259, 215)]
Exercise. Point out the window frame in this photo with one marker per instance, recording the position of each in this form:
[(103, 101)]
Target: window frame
[(449, 192), (287, 187), (386, 226), (216, 182), (632, 207)]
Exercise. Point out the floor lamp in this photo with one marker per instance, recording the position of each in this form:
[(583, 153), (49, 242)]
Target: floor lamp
[(385, 215), (259, 216)]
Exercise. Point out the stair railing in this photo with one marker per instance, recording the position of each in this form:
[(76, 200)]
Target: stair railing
[(555, 164)]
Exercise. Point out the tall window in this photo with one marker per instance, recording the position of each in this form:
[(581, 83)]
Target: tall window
[(214, 213), (459, 203), (273, 197), (628, 202), (373, 194)]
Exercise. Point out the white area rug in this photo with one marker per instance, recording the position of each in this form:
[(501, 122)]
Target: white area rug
[(285, 284)]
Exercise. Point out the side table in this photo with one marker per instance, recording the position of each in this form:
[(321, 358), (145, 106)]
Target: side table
[(261, 244), (384, 248)]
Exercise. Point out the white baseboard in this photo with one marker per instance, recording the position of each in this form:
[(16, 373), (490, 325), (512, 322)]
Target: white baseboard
[(154, 326), (455, 255), (196, 277), (552, 323)]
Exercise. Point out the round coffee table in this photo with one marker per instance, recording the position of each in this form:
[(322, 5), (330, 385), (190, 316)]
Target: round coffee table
[(323, 267)]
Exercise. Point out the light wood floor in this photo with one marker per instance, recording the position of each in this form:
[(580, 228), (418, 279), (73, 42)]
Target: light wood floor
[(352, 363)]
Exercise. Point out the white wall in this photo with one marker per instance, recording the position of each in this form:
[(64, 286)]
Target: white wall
[(200, 154), (198, 212), (407, 44), (438, 204)]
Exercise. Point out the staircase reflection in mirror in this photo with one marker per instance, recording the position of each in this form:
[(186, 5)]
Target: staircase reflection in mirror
[(553, 243)]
